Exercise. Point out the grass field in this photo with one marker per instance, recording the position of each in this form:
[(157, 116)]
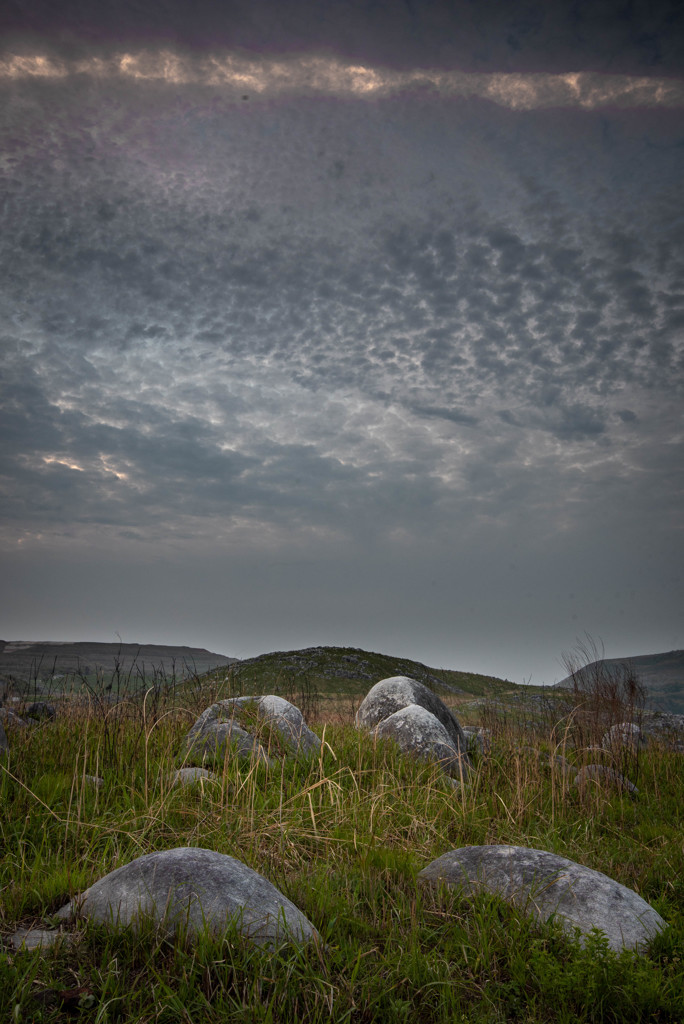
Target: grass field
[(343, 835)]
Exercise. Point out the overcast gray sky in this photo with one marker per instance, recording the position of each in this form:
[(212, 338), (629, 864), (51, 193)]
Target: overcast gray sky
[(344, 322)]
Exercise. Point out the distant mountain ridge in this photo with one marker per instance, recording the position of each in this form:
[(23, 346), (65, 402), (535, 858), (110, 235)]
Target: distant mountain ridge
[(661, 674), (30, 660)]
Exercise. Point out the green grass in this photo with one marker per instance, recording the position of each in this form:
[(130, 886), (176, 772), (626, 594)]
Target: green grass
[(343, 835)]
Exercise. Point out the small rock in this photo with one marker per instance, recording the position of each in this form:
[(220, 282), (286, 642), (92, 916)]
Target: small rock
[(602, 773), (625, 734), (479, 740), (215, 732), (192, 776), (38, 938), (227, 722), (11, 720), (42, 710)]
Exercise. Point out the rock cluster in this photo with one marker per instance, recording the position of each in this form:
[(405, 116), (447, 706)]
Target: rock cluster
[(402, 709), (242, 723)]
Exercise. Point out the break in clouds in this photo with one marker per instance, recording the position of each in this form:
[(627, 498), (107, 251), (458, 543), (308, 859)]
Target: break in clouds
[(267, 320)]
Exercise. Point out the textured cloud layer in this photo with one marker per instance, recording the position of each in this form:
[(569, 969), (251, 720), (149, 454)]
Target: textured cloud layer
[(427, 324)]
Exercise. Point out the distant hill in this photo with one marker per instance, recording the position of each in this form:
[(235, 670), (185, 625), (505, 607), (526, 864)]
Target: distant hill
[(353, 671), (661, 674), (43, 661)]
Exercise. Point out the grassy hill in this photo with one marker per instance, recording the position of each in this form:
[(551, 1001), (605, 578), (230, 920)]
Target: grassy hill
[(661, 674), (325, 676)]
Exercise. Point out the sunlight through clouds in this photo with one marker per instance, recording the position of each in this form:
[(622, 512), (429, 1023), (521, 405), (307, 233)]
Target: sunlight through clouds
[(269, 77)]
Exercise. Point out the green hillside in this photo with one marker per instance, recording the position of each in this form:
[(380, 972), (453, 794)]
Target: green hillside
[(326, 673)]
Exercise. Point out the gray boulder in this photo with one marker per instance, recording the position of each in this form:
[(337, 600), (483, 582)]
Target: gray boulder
[(190, 889), (286, 720), (215, 732), (11, 720), (479, 740), (624, 734), (233, 722), (192, 777), (40, 709), (29, 939), (418, 732), (544, 884), (602, 774), (397, 692)]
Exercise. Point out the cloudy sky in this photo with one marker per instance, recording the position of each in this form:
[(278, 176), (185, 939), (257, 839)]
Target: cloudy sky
[(344, 322)]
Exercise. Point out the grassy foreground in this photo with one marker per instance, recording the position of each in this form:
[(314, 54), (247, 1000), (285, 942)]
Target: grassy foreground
[(342, 835)]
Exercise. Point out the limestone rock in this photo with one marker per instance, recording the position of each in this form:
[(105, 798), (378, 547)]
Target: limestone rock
[(601, 773), (479, 740), (544, 884), (397, 692), (38, 938), (288, 722), (420, 733), (665, 728), (40, 709), (216, 730), (625, 734), (192, 776), (227, 722), (10, 719), (192, 889)]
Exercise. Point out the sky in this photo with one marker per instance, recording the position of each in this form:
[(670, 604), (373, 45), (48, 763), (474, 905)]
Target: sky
[(344, 322)]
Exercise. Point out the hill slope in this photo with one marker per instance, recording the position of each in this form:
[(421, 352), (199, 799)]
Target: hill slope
[(350, 670), (33, 661), (661, 674)]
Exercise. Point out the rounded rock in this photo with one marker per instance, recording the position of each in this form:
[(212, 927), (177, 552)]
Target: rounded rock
[(544, 885), (191, 890)]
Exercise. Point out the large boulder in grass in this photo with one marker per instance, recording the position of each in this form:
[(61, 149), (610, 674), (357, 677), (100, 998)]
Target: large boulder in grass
[(215, 733), (397, 692), (189, 890), (287, 721), (420, 733), (250, 725), (544, 885)]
